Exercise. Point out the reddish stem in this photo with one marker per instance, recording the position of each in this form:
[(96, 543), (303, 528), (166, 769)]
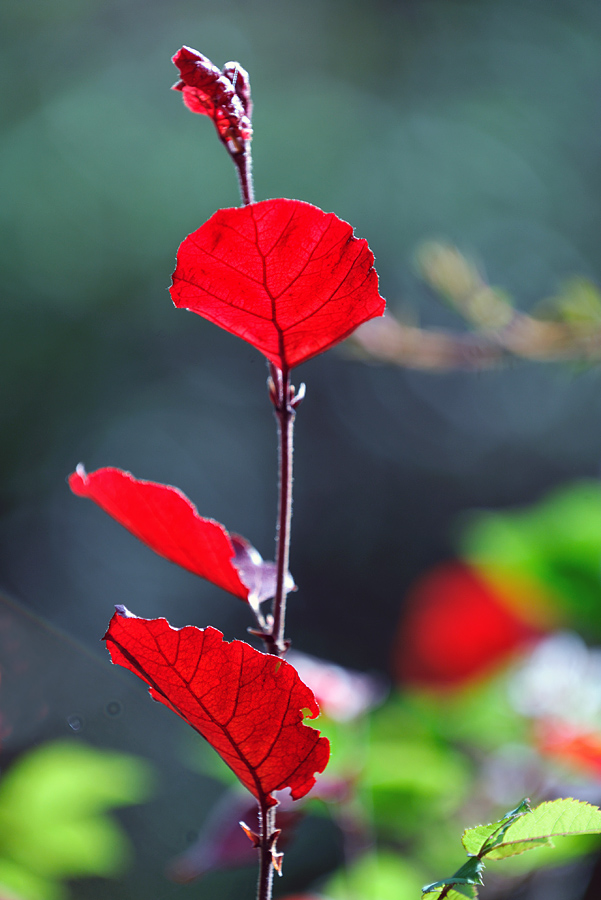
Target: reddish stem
[(243, 163), (282, 397), (267, 828)]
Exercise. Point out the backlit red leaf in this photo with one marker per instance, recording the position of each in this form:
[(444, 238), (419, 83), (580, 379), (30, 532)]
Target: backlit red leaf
[(282, 274), (248, 705), (223, 96), (164, 518)]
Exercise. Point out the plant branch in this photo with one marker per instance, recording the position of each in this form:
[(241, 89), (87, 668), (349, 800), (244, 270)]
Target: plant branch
[(266, 842), (242, 159), (282, 395), (568, 327)]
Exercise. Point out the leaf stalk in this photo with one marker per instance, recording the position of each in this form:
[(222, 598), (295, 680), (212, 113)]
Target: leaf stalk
[(243, 163)]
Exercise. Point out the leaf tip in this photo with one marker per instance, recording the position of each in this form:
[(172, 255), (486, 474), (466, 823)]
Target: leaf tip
[(124, 612), (78, 479)]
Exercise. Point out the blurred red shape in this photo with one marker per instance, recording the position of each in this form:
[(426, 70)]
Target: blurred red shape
[(283, 275), (248, 705), (342, 694), (576, 747), (455, 628)]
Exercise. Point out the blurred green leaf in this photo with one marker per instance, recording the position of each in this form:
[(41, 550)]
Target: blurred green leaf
[(16, 882), (578, 304), (377, 876), (52, 815), (410, 783), (557, 543), (420, 766)]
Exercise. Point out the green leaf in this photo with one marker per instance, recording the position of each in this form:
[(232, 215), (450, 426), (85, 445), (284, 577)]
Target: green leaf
[(505, 850), (459, 892), (553, 818), (469, 873), (52, 816), (482, 838), (420, 766), (558, 852), (555, 544), (376, 876), (522, 807), (16, 883), (410, 782), (527, 830)]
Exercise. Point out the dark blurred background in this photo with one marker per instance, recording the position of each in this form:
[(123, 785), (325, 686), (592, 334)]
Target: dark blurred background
[(476, 122)]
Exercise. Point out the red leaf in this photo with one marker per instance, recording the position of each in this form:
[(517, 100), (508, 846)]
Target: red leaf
[(281, 274), (164, 518), (223, 96), (248, 705)]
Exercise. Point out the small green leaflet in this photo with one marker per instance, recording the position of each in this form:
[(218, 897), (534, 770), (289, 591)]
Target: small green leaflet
[(458, 892), (525, 829), (469, 873), (518, 830)]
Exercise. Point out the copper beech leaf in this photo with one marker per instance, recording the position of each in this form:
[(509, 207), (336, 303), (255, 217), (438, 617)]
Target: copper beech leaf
[(162, 517), (248, 705), (283, 275)]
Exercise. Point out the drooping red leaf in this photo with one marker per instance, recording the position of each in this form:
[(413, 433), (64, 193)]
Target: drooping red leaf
[(283, 275), (223, 96), (164, 518), (248, 705)]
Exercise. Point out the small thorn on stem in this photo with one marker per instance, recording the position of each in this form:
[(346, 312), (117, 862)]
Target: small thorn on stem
[(276, 858), (250, 834), (273, 837), (297, 397), (272, 391)]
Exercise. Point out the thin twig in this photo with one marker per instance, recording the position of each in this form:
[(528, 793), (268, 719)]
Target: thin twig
[(499, 331), (282, 397), (243, 163)]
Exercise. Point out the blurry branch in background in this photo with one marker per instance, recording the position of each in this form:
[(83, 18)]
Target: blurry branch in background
[(565, 327)]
